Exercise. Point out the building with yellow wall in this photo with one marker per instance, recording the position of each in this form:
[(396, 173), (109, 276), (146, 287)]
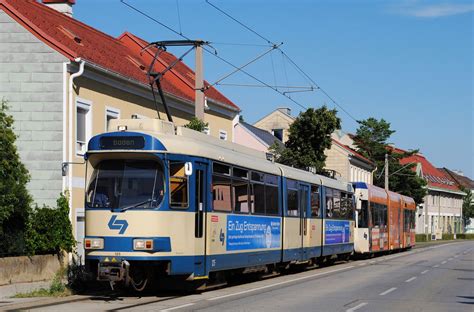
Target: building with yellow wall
[(65, 80)]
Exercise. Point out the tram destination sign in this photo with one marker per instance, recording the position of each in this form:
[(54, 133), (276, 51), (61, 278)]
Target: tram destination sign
[(122, 142)]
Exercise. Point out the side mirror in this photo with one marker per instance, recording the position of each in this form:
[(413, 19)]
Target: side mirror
[(188, 168)]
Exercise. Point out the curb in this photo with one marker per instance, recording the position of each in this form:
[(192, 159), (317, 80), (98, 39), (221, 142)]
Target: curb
[(43, 302)]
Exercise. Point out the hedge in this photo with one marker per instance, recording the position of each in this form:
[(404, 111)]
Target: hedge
[(465, 236)]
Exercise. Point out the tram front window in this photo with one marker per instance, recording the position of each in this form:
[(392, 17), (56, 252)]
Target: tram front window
[(126, 184)]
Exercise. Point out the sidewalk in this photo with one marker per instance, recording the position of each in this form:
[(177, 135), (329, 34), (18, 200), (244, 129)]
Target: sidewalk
[(7, 291)]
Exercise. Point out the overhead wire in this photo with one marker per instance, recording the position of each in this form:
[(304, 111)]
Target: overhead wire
[(179, 17), (212, 53), (289, 59)]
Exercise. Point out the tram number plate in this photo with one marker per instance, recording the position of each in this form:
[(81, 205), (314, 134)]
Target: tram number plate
[(122, 142)]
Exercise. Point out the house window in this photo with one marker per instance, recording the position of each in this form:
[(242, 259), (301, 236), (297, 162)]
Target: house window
[(83, 125), (111, 113), (223, 135), (278, 133)]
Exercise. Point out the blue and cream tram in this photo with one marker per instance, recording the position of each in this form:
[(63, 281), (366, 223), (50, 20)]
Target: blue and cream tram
[(166, 201)]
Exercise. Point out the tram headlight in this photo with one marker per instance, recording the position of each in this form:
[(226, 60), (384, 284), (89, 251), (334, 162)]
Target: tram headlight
[(94, 243), (143, 244)]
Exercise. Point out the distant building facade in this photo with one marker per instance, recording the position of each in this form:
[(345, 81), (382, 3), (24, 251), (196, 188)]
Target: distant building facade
[(277, 123), (253, 137), (465, 183), (441, 212), (347, 163)]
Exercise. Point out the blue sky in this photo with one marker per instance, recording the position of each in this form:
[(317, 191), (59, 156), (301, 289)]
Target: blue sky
[(409, 62)]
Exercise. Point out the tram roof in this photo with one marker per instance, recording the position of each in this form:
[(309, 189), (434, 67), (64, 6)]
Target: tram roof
[(199, 144)]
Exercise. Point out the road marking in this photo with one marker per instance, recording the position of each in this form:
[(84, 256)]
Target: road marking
[(444, 262), (435, 266), (424, 271), (357, 307), (450, 259), (388, 291), (178, 307), (280, 283), (410, 279), (363, 263), (372, 262), (456, 256)]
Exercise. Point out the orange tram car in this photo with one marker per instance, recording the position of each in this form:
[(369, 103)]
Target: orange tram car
[(385, 221)]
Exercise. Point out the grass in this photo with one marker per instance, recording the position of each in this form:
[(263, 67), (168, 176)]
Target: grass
[(56, 289)]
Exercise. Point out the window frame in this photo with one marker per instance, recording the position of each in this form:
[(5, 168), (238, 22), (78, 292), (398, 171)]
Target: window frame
[(169, 186), (110, 111), (85, 105), (222, 133), (295, 189)]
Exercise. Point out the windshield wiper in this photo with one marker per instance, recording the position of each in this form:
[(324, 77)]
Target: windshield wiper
[(138, 204)]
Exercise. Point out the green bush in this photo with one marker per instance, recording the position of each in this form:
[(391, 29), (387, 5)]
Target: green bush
[(447, 237), (422, 237), (465, 236), (50, 230), (14, 198)]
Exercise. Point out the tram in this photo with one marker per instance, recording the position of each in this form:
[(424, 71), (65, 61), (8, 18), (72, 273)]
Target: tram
[(168, 202)]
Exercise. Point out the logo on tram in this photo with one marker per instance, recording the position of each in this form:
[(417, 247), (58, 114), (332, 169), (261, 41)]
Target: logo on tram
[(120, 225)]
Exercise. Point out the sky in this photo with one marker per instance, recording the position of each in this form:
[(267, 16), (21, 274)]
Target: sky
[(410, 62)]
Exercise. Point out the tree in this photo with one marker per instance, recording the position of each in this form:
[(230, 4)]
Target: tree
[(14, 198), (197, 124), (371, 140), (309, 136), (467, 206)]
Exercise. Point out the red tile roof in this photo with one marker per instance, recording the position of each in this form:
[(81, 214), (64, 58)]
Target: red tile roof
[(434, 177), (350, 150), (121, 55)]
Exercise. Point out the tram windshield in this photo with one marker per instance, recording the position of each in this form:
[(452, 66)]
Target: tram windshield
[(126, 184)]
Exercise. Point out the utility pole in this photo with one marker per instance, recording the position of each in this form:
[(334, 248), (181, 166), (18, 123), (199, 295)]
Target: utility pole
[(199, 85), (386, 172)]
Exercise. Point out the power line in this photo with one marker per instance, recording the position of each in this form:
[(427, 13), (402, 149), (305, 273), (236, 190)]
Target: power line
[(244, 65), (179, 17), (291, 61), (241, 44), (240, 23), (213, 53)]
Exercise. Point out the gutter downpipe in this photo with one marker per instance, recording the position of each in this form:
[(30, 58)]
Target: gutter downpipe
[(65, 98), (70, 122)]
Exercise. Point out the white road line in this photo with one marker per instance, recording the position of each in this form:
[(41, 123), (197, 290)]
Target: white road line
[(456, 256), (424, 271), (435, 266), (410, 279), (372, 262), (178, 307), (388, 291), (444, 262), (450, 259), (363, 263), (357, 307), (280, 283)]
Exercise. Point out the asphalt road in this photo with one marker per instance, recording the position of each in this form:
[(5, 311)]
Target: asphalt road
[(436, 278)]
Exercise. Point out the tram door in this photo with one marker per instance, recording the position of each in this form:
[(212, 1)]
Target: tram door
[(305, 227), (200, 204)]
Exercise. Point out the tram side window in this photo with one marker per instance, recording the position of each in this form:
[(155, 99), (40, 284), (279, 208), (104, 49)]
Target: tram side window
[(315, 205), (292, 198), (240, 189), (336, 208), (221, 193), (329, 203), (347, 206), (364, 215), (379, 215), (178, 185), (271, 195), (257, 198)]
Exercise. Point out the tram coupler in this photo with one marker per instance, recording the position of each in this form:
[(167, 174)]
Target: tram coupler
[(114, 272)]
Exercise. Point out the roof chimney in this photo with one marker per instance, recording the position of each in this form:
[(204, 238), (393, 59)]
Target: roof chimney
[(285, 110), (63, 6)]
